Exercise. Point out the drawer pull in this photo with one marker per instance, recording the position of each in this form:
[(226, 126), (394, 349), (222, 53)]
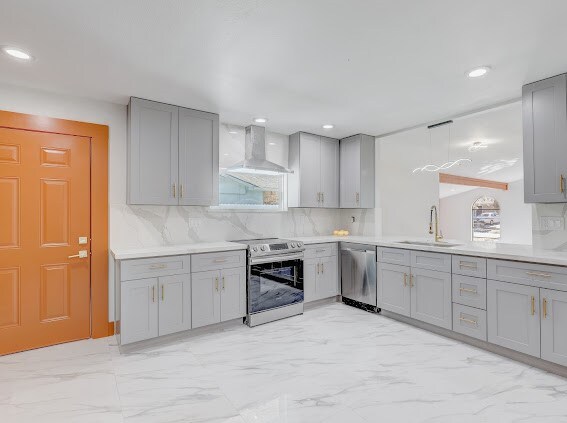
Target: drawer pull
[(472, 322), (468, 265), (543, 275), (220, 260), (158, 266), (472, 291)]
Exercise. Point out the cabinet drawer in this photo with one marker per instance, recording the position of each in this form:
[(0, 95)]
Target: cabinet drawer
[(320, 250), (469, 291), (540, 275), (469, 266), (217, 261), (469, 321), (431, 261), (154, 266), (394, 256)]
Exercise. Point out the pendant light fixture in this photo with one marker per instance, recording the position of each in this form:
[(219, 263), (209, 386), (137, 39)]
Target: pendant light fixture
[(431, 167)]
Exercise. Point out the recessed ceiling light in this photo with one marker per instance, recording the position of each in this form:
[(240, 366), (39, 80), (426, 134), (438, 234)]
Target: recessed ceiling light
[(272, 143), (232, 131), (17, 53), (260, 120), (476, 72), (328, 126), (226, 154)]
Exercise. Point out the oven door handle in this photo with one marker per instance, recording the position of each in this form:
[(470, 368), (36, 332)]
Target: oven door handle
[(276, 259)]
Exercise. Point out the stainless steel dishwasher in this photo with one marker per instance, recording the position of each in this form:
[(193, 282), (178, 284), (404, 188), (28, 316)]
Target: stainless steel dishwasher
[(358, 273)]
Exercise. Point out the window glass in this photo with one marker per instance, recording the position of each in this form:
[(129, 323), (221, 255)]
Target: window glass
[(485, 219)]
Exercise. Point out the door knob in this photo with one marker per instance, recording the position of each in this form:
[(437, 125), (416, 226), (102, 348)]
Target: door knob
[(82, 254)]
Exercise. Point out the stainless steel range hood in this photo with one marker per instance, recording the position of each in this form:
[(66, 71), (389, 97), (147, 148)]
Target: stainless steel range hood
[(255, 155)]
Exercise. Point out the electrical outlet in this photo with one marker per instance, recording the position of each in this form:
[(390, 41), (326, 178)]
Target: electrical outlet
[(551, 223)]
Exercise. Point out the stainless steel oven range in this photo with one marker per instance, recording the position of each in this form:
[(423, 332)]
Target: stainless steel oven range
[(275, 279)]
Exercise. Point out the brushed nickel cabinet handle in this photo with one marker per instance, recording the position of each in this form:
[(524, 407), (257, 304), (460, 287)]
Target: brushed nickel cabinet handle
[(545, 308), (223, 283), (180, 190), (405, 279), (322, 267), (153, 294), (533, 305), (162, 292), (561, 183), (174, 190), (322, 197), (317, 268), (472, 291), (472, 322), (357, 198), (217, 284), (411, 284), (543, 275)]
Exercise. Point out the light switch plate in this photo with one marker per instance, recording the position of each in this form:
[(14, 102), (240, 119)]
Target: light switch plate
[(551, 223), (83, 240)]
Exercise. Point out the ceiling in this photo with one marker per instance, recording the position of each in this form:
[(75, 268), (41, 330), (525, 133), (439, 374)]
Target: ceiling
[(366, 66)]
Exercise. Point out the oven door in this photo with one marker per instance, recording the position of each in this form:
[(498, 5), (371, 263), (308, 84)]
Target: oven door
[(274, 282)]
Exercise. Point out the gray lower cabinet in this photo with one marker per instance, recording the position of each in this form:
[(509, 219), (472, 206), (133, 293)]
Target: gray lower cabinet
[(544, 105), (394, 292), (320, 278), (431, 297), (174, 304), (357, 162), (172, 155), (553, 326), (139, 310), (154, 307), (218, 296), (513, 316)]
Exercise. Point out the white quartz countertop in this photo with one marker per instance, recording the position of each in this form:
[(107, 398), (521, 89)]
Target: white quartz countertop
[(494, 250), (174, 250)]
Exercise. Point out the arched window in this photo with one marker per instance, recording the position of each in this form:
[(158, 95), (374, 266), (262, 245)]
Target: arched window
[(485, 219)]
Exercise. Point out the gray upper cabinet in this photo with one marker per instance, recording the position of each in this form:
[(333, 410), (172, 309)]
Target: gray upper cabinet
[(357, 161), (172, 155), (198, 158), (315, 164), (544, 106), (152, 152)]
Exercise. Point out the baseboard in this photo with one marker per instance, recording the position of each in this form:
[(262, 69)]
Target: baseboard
[(496, 349)]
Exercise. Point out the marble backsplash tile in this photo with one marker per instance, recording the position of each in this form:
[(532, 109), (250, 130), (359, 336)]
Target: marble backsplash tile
[(140, 226)]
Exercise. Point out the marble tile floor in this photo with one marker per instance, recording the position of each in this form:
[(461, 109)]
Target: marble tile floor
[(333, 364)]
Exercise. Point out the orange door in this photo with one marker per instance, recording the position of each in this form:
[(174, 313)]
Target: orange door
[(44, 209)]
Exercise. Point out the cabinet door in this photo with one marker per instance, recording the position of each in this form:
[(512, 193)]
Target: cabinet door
[(174, 303), (329, 172), (309, 170), (328, 279), (138, 310), (394, 291), (152, 153), (431, 297), (513, 316), (310, 275), (198, 158), (233, 293), (545, 140), (350, 172), (205, 298), (554, 326)]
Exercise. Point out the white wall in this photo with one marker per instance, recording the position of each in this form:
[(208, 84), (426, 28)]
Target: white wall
[(516, 217), (405, 197)]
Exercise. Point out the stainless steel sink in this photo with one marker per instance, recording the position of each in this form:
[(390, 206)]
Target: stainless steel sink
[(430, 244)]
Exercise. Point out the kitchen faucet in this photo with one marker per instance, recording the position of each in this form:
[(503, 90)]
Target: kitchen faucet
[(438, 234)]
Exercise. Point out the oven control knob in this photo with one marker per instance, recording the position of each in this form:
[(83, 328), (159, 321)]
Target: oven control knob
[(299, 244), (293, 245), (263, 248), (254, 248)]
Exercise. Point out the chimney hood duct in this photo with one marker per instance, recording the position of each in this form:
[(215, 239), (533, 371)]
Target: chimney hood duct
[(255, 155)]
